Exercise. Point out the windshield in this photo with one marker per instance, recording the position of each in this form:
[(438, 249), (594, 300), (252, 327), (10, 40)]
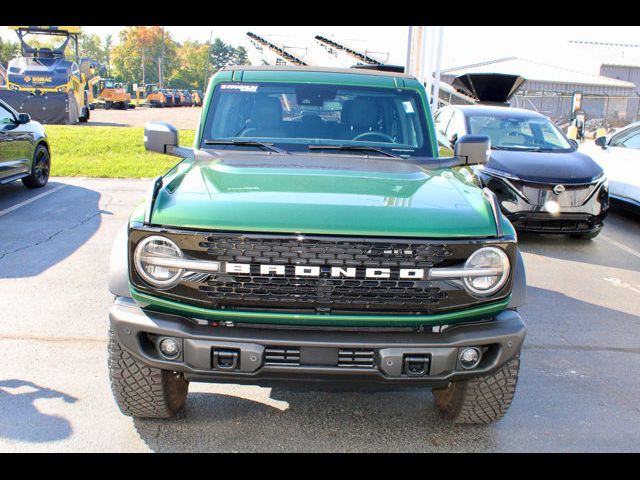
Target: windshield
[(517, 133), (294, 117), (108, 84)]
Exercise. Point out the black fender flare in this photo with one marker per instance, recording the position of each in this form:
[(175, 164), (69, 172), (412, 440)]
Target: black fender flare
[(119, 264), (519, 290)]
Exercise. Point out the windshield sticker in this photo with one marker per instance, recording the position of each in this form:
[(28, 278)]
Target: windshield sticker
[(239, 87), (408, 108)]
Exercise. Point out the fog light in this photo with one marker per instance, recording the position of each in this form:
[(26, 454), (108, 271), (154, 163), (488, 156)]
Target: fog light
[(169, 347), (470, 357)]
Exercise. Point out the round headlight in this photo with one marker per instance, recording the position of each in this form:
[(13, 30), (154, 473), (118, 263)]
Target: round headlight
[(153, 259), (491, 258)]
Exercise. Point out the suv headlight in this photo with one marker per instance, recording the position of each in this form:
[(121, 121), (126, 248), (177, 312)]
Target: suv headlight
[(155, 259), (487, 258)]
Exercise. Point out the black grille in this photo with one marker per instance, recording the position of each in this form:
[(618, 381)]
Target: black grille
[(255, 290), (344, 294), (356, 358), (552, 226), (316, 252), (276, 355), (539, 193)]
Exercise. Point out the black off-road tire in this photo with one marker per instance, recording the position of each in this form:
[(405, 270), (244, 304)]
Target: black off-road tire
[(40, 168), (143, 391), (481, 400)]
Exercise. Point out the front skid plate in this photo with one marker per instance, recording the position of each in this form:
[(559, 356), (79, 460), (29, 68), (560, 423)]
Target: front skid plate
[(136, 330)]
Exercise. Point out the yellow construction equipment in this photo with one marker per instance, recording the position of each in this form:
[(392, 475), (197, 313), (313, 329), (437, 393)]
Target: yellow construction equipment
[(110, 94), (157, 97), (43, 82)]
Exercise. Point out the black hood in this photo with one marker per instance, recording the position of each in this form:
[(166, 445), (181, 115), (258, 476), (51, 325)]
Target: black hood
[(546, 167)]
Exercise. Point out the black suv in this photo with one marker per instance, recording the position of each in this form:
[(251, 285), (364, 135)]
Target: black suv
[(24, 149)]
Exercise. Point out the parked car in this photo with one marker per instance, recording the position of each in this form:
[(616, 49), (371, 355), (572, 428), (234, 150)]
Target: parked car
[(319, 248), (24, 149), (542, 182), (619, 155)]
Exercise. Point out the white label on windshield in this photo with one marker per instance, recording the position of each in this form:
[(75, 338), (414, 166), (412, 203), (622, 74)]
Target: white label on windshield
[(240, 87), (408, 107)]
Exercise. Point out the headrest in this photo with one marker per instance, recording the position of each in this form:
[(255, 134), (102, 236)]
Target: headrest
[(267, 111), (359, 113)]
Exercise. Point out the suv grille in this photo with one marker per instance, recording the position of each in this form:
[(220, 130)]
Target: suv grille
[(255, 290), (321, 292)]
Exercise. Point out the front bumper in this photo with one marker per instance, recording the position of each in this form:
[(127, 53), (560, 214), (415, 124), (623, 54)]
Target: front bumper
[(268, 356), (544, 211)]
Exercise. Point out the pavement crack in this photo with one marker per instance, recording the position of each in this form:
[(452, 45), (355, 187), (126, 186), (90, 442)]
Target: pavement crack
[(51, 237)]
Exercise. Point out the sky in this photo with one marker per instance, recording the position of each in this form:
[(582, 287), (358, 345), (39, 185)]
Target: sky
[(461, 45)]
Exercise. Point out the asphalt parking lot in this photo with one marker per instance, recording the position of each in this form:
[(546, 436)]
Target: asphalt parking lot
[(578, 388), (185, 118)]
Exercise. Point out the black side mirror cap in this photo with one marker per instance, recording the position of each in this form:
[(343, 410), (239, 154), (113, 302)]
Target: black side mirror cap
[(601, 142), (23, 118), (574, 143), (475, 148)]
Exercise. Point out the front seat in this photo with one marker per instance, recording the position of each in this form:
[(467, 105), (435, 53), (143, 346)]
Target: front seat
[(266, 120), (359, 115)]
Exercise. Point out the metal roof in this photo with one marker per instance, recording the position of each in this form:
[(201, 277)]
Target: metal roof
[(537, 72)]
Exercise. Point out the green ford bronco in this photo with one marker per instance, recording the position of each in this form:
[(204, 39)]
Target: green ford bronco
[(313, 235)]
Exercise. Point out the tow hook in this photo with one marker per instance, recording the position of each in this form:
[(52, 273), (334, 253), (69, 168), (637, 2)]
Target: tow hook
[(226, 359), (415, 365)]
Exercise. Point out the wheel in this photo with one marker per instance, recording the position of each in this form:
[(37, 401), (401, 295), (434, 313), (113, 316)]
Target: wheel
[(108, 105), (479, 400), (589, 235), (86, 114), (141, 390), (125, 105), (40, 168)]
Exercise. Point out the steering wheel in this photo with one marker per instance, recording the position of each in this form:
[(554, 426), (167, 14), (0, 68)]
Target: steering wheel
[(377, 134)]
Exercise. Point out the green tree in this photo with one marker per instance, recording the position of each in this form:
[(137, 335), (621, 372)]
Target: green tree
[(8, 50), (138, 45), (192, 61), (240, 56), (90, 45), (221, 55)]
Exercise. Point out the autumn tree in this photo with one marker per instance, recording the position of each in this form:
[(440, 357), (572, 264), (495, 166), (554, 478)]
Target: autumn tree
[(140, 46)]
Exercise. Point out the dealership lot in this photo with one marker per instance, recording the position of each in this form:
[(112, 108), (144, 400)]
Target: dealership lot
[(577, 389)]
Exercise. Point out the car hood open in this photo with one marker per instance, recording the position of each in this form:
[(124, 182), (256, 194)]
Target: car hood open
[(322, 194)]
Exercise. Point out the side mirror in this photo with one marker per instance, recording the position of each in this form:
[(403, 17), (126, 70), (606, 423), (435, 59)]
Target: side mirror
[(474, 148), (160, 137), (453, 139), (574, 143), (23, 118), (601, 142)]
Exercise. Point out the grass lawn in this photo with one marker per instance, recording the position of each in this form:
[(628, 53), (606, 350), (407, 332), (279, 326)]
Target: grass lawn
[(116, 152)]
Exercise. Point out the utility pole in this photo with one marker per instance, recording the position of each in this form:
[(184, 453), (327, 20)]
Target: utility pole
[(143, 75), (207, 61), (161, 63)]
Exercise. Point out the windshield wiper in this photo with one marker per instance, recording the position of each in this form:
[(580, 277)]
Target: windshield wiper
[(247, 143), (354, 148), (514, 148)]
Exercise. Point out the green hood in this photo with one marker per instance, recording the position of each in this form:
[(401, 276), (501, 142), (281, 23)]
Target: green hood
[(320, 194)]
